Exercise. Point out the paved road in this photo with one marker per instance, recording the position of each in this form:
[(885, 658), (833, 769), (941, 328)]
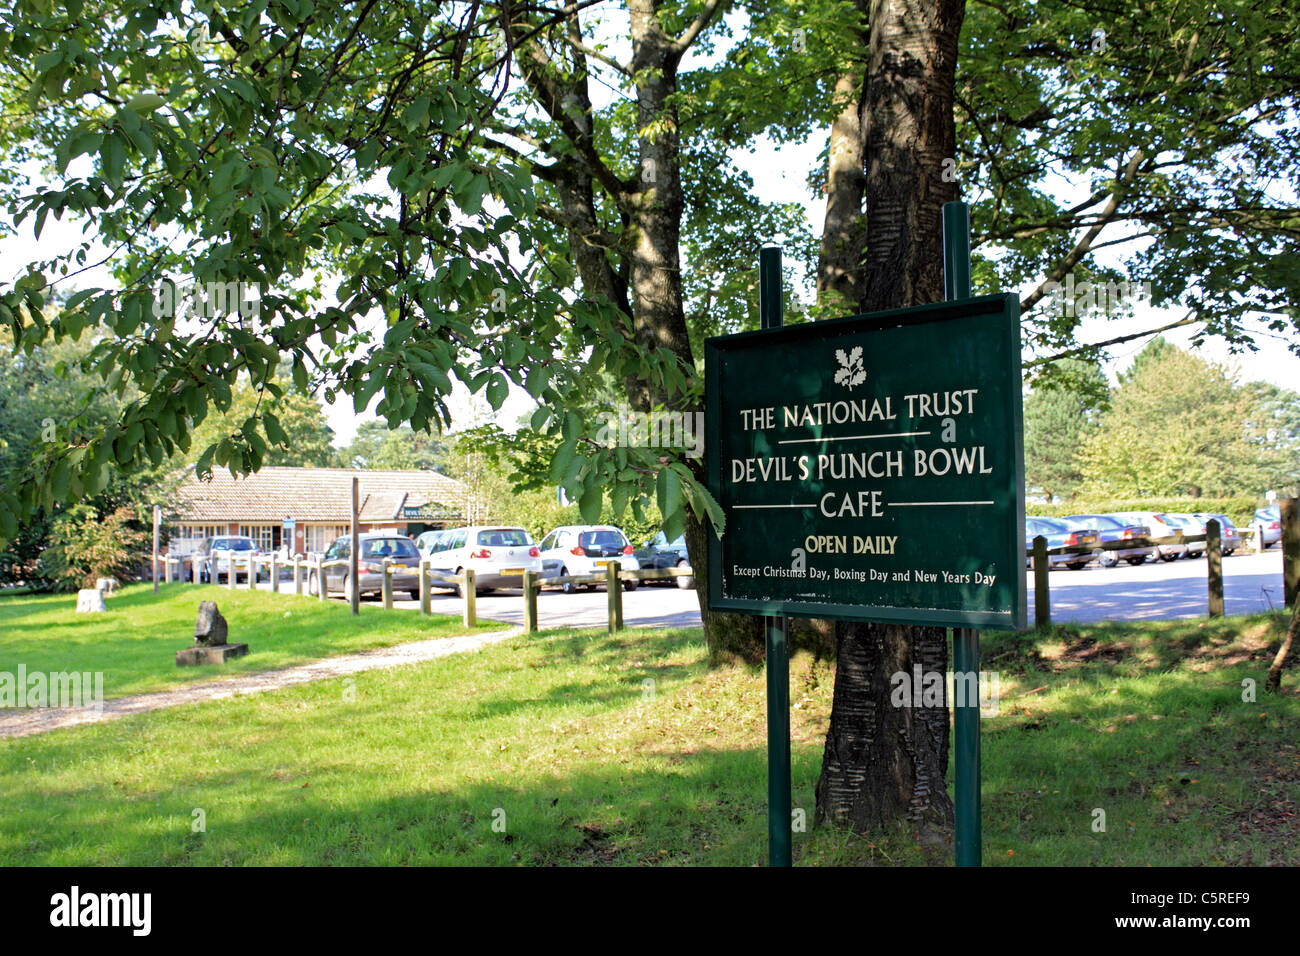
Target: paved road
[(1154, 591), (1163, 590)]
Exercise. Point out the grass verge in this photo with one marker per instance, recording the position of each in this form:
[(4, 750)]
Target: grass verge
[(585, 748), (134, 643)]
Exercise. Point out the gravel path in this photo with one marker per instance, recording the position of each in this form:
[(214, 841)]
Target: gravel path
[(39, 720)]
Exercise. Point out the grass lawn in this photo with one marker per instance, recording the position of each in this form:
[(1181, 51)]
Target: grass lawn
[(582, 748), (134, 644)]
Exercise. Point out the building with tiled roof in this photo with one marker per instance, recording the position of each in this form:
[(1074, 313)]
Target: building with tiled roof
[(313, 505)]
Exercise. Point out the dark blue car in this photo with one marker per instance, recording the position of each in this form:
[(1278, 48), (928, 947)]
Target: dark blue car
[(1111, 530)]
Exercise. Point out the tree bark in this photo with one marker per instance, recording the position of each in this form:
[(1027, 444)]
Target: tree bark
[(886, 763), (1286, 651)]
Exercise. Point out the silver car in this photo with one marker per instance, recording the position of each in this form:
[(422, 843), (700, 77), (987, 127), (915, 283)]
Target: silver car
[(376, 546)]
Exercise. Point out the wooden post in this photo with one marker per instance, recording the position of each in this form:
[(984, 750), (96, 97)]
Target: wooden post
[(252, 573), (194, 569), (355, 559), (167, 568), (1042, 597), (230, 570), (275, 574), (424, 587), (467, 585), (386, 588), (530, 602), (1287, 509), (297, 575), (157, 520), (1259, 537), (1214, 557), (322, 589), (614, 591)]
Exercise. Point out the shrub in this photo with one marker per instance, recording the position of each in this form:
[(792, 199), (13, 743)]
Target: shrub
[(85, 545)]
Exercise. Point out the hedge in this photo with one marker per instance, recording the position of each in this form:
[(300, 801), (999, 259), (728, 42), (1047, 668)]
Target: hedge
[(1240, 510)]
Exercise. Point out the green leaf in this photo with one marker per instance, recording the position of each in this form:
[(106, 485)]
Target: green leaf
[(145, 102), (668, 492), (590, 501)]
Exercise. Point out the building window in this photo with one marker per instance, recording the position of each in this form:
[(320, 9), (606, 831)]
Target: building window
[(318, 537), (263, 535), (186, 537)]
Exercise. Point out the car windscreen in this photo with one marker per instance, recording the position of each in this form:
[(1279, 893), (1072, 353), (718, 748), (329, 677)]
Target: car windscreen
[(503, 538), (1047, 526), (389, 548), (600, 539)]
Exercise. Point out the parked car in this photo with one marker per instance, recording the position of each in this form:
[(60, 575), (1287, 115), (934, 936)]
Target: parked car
[(227, 550), (1271, 519), (1229, 539), (659, 552), (375, 547), (1060, 534), (497, 555), (1188, 525), (586, 549), (1158, 528), (1112, 529)]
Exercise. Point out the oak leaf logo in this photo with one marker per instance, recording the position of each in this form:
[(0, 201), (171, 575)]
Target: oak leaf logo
[(851, 372)]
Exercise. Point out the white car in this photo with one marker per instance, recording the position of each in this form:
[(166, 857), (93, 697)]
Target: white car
[(1158, 528), (497, 555), (218, 554), (587, 549)]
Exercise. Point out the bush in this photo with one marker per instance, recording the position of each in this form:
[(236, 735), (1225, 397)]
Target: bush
[(1240, 510), (85, 545)]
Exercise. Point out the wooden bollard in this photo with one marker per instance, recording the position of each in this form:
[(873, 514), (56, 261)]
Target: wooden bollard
[(321, 589), (424, 587), (467, 585), (386, 587), (614, 590), (530, 602), (1290, 515), (297, 575), (1042, 597), (1214, 566), (275, 574)]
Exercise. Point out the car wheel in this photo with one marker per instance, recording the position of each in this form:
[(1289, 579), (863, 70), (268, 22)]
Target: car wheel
[(685, 583), (631, 585), (568, 587), (1077, 565), (1168, 557), (1106, 559), (1136, 561)]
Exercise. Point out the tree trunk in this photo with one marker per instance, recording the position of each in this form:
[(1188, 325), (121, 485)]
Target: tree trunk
[(886, 763), (1286, 651), (840, 275)]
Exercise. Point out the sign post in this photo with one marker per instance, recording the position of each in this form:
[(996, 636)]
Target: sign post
[(965, 640), (778, 632), (871, 468)]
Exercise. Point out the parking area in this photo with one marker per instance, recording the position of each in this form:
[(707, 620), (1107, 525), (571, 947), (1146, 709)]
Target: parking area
[(1157, 590), (1163, 590)]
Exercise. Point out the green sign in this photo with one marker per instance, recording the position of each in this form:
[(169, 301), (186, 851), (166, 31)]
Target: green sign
[(871, 468)]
